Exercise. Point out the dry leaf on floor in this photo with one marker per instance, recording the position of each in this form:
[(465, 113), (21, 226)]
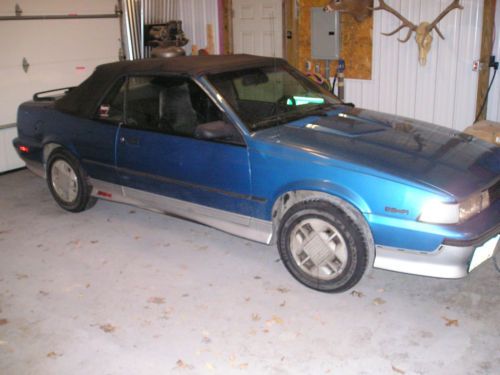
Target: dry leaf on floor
[(206, 337), (157, 300), (3, 322), (209, 366), (274, 320), (181, 364), (399, 371), (355, 293), (206, 340), (283, 290), (255, 317), (451, 322), (378, 301), (108, 328), (21, 276), (53, 355), (137, 237)]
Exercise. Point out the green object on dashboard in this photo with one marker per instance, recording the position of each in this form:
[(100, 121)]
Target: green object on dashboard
[(301, 100)]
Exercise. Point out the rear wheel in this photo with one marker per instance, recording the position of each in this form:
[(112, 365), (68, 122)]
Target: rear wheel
[(68, 183), (322, 247)]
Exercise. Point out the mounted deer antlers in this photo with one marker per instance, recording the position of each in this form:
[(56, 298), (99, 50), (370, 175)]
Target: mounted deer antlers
[(359, 9), (423, 31)]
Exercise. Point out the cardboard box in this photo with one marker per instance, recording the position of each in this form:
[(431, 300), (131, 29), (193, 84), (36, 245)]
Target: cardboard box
[(488, 131)]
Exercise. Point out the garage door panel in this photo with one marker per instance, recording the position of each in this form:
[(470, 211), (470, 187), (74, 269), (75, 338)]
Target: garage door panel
[(41, 77), (7, 152), (60, 53), (58, 7), (58, 40)]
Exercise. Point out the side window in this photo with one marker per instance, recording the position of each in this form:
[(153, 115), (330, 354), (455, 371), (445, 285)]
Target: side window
[(173, 105), (112, 107)]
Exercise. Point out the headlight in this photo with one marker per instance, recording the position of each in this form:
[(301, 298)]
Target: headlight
[(436, 212)]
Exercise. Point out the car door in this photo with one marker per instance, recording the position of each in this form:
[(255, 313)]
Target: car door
[(95, 139), (158, 156)]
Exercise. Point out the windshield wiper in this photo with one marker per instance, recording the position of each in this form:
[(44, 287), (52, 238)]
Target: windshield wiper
[(281, 118), (268, 122)]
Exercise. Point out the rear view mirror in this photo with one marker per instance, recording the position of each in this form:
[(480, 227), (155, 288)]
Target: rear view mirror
[(219, 130), (255, 78)]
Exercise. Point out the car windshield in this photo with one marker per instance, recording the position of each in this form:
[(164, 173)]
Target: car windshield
[(271, 96)]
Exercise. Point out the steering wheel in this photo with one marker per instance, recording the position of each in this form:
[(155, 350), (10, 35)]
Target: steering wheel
[(282, 103)]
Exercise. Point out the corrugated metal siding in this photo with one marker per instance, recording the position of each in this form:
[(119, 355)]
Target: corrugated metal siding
[(136, 14), (443, 91), (195, 16), (494, 99), (157, 11)]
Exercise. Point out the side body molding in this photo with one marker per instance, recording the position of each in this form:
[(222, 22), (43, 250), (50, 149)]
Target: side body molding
[(236, 224)]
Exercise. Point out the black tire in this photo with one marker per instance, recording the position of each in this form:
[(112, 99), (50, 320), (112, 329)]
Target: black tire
[(351, 257), (79, 199)]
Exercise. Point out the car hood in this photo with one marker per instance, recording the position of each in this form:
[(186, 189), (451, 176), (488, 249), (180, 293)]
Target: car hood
[(436, 156)]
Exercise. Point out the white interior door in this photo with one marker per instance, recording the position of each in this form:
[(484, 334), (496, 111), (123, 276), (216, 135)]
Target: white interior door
[(258, 27), (60, 53)]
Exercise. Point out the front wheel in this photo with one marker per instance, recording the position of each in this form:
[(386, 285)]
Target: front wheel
[(322, 247), (67, 182)]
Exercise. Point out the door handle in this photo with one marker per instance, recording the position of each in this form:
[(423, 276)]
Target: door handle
[(130, 140)]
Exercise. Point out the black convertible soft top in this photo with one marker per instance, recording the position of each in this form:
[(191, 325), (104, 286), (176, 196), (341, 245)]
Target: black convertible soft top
[(82, 100)]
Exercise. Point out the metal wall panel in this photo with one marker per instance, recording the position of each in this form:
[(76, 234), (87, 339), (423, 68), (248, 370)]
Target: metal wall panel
[(494, 98), (443, 91), (195, 16)]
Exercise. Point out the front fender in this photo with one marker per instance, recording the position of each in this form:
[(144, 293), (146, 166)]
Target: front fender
[(325, 187)]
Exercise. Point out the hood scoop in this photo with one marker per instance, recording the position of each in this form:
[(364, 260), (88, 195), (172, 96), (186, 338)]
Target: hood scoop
[(348, 125)]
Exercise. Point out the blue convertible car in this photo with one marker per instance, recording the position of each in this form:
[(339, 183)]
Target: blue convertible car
[(250, 146)]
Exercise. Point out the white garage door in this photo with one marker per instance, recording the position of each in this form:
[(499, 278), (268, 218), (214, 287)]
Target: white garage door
[(60, 53)]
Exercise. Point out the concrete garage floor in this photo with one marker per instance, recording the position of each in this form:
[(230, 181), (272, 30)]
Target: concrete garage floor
[(119, 290)]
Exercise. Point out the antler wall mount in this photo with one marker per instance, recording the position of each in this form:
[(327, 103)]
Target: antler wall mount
[(359, 9), (423, 31)]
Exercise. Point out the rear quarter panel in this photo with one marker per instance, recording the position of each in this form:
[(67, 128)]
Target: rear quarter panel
[(91, 142)]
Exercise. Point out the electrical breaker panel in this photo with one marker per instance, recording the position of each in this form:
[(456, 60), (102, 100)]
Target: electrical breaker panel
[(325, 34)]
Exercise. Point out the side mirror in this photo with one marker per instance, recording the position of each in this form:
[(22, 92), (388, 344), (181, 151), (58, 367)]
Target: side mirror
[(218, 130)]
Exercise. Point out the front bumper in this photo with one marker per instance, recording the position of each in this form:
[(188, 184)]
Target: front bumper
[(449, 261)]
